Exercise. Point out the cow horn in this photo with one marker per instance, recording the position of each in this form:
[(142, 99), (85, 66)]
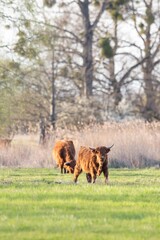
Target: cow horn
[(91, 148), (67, 163), (110, 146)]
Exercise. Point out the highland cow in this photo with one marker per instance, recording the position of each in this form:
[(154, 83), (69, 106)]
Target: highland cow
[(64, 151), (92, 161)]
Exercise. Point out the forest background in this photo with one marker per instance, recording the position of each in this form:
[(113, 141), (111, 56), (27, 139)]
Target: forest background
[(84, 70), (68, 64)]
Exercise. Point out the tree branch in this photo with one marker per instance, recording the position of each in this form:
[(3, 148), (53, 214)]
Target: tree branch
[(102, 9), (131, 69)]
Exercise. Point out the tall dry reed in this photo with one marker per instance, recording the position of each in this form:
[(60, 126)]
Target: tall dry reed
[(136, 144)]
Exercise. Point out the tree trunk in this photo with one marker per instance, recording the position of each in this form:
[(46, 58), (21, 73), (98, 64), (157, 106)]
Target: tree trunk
[(117, 95), (88, 42), (149, 108), (88, 64), (42, 137), (52, 113), (87, 49), (147, 68)]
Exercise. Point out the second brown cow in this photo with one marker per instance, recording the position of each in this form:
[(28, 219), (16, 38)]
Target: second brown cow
[(92, 161), (64, 151)]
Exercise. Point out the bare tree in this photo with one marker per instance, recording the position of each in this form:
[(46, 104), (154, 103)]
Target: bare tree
[(147, 25), (112, 50), (86, 41)]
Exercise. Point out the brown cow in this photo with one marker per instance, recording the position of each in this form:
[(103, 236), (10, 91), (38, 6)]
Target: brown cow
[(5, 143), (93, 161), (64, 151)]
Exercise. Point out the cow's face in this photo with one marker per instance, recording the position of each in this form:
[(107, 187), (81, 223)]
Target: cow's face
[(69, 166), (69, 169), (101, 153)]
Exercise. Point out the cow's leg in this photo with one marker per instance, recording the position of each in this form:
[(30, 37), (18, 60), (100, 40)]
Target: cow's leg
[(77, 171), (93, 176), (61, 163), (89, 177), (63, 170), (105, 172)]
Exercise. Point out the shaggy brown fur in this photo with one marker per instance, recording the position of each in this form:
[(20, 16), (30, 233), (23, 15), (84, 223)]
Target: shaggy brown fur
[(5, 142), (93, 162), (64, 151)]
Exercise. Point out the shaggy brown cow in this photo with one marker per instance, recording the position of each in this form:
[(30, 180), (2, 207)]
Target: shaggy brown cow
[(64, 151), (93, 161), (5, 143)]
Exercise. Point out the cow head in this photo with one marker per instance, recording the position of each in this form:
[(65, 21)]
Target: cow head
[(100, 153), (69, 166)]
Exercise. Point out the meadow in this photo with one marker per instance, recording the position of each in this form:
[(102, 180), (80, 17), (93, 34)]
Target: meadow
[(39, 203), (42, 204)]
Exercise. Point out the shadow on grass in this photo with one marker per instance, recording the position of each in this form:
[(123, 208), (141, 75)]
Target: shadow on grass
[(39, 174), (34, 182), (5, 182)]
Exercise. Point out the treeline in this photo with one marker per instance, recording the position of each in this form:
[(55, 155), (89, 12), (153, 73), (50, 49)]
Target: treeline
[(70, 63)]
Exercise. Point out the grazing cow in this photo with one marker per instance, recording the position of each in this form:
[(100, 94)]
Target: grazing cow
[(5, 143), (92, 161), (64, 151)]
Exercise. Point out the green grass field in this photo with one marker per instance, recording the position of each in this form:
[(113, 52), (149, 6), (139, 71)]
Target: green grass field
[(43, 204)]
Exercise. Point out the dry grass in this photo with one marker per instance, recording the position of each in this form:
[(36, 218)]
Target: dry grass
[(26, 152), (136, 144)]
